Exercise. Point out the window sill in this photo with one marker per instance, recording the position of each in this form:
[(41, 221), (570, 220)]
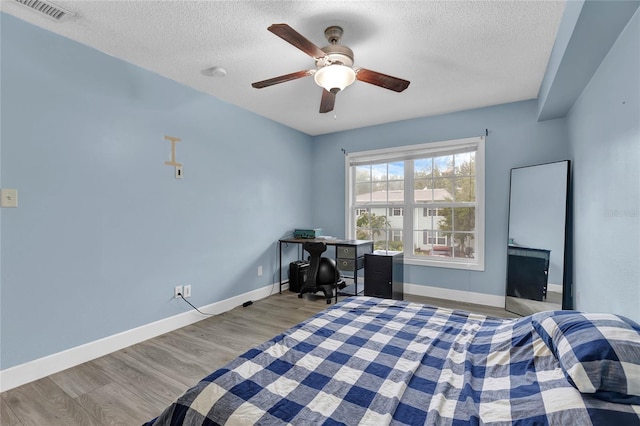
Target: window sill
[(451, 264)]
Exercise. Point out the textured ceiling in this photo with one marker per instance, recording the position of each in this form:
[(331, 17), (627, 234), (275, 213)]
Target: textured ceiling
[(458, 55)]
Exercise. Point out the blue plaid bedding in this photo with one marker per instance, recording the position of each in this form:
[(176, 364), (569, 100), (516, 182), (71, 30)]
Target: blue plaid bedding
[(373, 361)]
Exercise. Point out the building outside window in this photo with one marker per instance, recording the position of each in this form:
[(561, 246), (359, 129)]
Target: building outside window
[(426, 200), (434, 238)]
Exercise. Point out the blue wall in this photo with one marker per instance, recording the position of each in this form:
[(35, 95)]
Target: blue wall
[(515, 139), (104, 231), (604, 130)]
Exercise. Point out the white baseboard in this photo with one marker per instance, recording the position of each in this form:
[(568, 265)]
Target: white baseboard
[(554, 287), (455, 295), (33, 370)]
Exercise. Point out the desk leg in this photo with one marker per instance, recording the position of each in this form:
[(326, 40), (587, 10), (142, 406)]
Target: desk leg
[(355, 277), (280, 259)]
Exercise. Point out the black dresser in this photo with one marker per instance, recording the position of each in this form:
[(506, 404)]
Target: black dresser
[(528, 271), (384, 275)]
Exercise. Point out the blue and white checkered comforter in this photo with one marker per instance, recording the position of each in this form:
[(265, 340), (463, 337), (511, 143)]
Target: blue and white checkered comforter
[(376, 362)]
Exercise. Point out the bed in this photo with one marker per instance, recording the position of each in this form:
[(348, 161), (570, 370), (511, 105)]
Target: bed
[(377, 361)]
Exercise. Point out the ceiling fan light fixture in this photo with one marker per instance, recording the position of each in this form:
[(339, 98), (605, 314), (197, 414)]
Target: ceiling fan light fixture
[(333, 70), (334, 78)]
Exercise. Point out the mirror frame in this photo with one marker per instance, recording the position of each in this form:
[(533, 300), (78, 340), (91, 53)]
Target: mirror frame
[(567, 294)]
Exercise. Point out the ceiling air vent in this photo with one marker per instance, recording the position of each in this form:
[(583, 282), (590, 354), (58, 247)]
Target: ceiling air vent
[(49, 9)]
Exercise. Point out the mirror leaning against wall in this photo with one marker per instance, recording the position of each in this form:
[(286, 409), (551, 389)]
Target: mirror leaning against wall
[(537, 260)]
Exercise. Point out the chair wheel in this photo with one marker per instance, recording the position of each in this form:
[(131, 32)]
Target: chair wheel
[(299, 295), (328, 301)]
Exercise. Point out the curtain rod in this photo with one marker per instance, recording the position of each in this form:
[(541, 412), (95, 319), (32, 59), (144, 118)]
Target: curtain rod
[(345, 153)]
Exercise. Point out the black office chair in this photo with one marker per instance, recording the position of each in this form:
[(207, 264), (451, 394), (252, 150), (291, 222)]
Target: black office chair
[(323, 274)]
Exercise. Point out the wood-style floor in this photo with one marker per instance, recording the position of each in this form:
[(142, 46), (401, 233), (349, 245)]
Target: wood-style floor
[(134, 385), (525, 307)]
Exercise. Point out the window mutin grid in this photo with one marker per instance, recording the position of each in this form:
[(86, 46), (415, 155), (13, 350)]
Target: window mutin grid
[(425, 200)]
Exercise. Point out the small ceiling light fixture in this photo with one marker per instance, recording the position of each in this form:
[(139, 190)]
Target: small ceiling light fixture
[(215, 72), (334, 78)]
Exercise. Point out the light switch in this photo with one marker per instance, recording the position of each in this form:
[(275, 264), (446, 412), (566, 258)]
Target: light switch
[(8, 198)]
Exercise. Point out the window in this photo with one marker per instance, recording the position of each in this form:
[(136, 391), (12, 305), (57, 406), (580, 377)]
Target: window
[(426, 200), (434, 238), (429, 212)]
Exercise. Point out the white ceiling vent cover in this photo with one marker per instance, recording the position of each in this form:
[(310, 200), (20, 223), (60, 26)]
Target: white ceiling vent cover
[(49, 9)]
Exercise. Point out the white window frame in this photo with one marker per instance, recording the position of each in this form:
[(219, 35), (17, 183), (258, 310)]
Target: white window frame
[(404, 153)]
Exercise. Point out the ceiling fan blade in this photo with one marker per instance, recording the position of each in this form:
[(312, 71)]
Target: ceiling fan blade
[(290, 35), (382, 80), (281, 79), (328, 101)]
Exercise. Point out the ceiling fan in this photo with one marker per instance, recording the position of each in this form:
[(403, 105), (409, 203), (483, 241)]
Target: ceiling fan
[(334, 66)]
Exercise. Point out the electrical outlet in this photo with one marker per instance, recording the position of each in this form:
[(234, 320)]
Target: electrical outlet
[(187, 291), (177, 290), (260, 270)]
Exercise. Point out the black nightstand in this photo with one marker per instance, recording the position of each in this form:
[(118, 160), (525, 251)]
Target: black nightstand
[(384, 275)]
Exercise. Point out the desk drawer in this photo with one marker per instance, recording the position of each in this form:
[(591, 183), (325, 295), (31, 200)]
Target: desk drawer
[(352, 252), (349, 265)]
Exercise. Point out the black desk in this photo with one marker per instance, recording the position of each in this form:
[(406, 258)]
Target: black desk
[(349, 255)]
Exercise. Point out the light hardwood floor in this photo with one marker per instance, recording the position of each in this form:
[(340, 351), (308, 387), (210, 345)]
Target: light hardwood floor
[(135, 384)]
